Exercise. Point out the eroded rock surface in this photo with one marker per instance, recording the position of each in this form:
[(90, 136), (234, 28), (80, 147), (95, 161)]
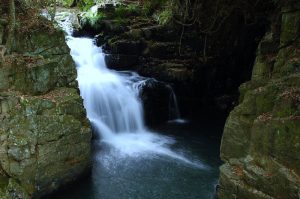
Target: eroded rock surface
[(261, 140), (44, 134)]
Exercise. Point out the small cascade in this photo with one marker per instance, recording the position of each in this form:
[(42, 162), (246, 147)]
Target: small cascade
[(174, 112)]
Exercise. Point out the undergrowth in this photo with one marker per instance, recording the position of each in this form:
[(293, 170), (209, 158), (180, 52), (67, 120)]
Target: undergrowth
[(92, 18)]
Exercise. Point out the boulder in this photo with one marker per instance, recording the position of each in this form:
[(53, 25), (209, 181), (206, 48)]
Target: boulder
[(155, 97), (44, 134)]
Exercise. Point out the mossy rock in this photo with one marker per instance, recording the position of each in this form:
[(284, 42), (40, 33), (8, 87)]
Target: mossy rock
[(290, 27), (45, 135), (262, 132), (10, 189), (1, 33)]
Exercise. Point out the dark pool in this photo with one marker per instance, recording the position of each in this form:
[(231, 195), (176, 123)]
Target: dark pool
[(153, 176)]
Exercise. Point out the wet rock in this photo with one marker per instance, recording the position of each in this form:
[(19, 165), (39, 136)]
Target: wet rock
[(162, 50), (120, 61), (260, 143), (125, 47), (168, 71), (159, 33), (71, 15), (155, 96), (44, 134)]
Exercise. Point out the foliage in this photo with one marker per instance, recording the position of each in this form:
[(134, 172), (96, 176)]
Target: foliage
[(133, 8), (123, 11), (103, 2), (163, 17), (66, 3), (150, 6), (92, 18), (85, 5)]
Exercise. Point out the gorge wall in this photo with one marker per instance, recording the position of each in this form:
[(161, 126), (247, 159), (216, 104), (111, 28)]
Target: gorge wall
[(261, 140), (204, 68), (44, 134)]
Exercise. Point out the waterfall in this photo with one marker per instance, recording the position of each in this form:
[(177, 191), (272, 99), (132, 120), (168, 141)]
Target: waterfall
[(174, 112), (113, 105)]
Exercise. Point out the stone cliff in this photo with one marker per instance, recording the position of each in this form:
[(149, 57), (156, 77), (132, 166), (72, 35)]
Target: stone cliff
[(261, 141), (44, 134)]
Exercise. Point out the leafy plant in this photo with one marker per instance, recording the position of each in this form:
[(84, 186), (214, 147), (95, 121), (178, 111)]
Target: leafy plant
[(85, 5), (164, 17), (92, 18), (133, 8), (66, 3), (150, 6), (124, 11)]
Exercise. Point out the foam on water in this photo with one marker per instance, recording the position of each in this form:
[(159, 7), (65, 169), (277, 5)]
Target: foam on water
[(113, 105)]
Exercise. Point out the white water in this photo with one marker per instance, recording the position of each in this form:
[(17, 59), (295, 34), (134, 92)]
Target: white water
[(113, 107)]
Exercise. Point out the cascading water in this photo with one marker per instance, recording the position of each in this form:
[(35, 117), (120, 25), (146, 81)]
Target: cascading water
[(174, 113), (113, 106)]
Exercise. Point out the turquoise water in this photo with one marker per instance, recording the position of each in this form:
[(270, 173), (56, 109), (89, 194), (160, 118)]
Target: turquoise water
[(151, 176)]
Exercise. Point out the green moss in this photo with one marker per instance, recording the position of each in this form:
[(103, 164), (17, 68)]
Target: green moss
[(290, 27), (66, 3), (85, 4), (150, 6), (261, 69), (3, 182), (278, 138), (265, 126), (127, 10), (260, 100)]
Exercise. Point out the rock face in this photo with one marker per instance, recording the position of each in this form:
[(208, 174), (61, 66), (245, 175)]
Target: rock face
[(44, 134), (156, 98), (205, 70), (261, 141)]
